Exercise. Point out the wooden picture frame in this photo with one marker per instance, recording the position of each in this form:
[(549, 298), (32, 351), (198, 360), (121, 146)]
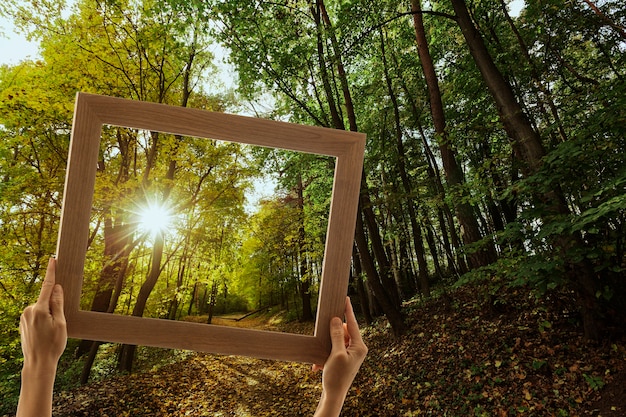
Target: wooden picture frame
[(94, 111)]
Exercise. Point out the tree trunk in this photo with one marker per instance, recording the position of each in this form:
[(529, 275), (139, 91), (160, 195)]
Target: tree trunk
[(385, 275), (447, 233), (194, 297), (175, 305), (525, 140), (528, 146), (406, 183), (432, 247), (212, 300), (360, 288), (86, 372), (393, 314), (305, 276), (536, 76), (128, 351), (410, 283), (366, 207), (173, 309), (116, 241), (95, 345), (332, 106), (465, 213)]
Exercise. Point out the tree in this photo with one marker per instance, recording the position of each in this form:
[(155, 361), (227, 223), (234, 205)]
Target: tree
[(529, 149), (454, 176), (34, 127)]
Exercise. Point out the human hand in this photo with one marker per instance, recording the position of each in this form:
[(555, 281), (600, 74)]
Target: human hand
[(347, 355), (42, 325), (44, 335)]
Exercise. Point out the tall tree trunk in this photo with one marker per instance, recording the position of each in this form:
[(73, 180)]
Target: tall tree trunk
[(410, 282), (525, 140), (385, 273), (528, 145), (360, 288), (390, 305), (180, 275), (116, 239), (366, 206), (212, 301), (448, 234), (465, 212), (95, 345), (392, 313), (406, 182), (128, 351), (332, 106), (305, 276), (432, 247), (535, 75), (194, 297)]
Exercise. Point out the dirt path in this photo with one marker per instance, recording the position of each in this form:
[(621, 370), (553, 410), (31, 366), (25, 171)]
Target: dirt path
[(202, 385)]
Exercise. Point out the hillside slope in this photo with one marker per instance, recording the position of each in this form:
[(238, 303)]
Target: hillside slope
[(458, 359)]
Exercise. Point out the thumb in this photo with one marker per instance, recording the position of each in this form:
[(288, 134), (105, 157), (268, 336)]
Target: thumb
[(336, 334), (56, 302)]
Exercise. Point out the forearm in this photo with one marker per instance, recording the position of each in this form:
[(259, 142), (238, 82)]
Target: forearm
[(330, 405), (36, 391)]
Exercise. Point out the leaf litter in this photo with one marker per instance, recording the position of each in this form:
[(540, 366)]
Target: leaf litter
[(522, 357)]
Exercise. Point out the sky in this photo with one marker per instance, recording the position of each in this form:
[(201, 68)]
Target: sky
[(13, 46)]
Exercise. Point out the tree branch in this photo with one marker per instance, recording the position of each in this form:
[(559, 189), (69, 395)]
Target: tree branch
[(398, 16)]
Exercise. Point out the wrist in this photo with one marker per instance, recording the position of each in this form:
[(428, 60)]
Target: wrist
[(40, 364), (40, 370), (330, 404), (36, 390)]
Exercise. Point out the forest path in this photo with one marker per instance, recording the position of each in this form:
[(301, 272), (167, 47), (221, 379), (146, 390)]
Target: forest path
[(202, 385)]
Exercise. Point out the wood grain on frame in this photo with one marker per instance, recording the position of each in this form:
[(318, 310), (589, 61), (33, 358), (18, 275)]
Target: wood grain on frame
[(91, 113)]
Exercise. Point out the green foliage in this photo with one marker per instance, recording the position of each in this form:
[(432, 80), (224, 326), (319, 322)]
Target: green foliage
[(10, 356), (69, 368), (34, 123), (595, 382)]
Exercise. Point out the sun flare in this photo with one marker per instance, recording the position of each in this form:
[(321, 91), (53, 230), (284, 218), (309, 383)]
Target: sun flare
[(154, 219)]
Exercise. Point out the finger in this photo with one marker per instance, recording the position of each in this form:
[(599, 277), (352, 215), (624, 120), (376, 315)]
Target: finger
[(337, 334), (352, 324), (23, 332), (25, 317), (56, 303), (48, 284)]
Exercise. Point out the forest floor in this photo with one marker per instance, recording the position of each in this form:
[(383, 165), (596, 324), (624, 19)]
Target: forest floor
[(458, 358)]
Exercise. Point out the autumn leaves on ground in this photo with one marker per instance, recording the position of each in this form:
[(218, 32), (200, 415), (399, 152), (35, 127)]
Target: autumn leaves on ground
[(503, 356)]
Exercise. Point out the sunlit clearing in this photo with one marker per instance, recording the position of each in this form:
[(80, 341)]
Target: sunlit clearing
[(154, 219)]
